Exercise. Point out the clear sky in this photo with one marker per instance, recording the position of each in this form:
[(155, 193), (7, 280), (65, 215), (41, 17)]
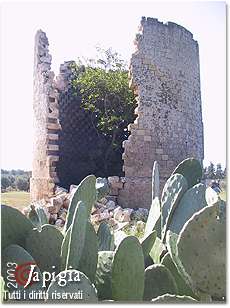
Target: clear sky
[(74, 29)]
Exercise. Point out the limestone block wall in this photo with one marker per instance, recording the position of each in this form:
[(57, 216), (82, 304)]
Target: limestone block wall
[(165, 75), (46, 122)]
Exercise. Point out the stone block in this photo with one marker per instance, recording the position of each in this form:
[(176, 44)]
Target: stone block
[(126, 215), (66, 203), (164, 157), (115, 184), (53, 126), (53, 147), (72, 188), (63, 216), (53, 136), (140, 132), (132, 126), (136, 193), (113, 198), (55, 205), (113, 179), (53, 158), (104, 215), (110, 205), (117, 213), (148, 138), (60, 190), (53, 218), (114, 191), (59, 223)]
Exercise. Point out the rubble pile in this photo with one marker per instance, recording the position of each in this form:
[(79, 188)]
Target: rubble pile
[(106, 209)]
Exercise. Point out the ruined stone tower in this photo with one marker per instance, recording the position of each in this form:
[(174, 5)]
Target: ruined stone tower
[(165, 75), (46, 122)]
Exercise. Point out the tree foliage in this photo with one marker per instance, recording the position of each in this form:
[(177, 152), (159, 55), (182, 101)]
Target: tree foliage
[(214, 172), (103, 86), (15, 180)]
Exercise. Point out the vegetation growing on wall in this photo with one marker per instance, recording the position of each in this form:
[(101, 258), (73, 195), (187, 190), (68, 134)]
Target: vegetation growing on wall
[(103, 85)]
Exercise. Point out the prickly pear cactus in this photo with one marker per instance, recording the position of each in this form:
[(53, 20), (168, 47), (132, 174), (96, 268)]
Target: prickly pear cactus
[(45, 247), (192, 201), (154, 218), (42, 216), (77, 236), (3, 290), (183, 288), (171, 299), (202, 249), (38, 217), (75, 284), (105, 238), (20, 263), (157, 250), (148, 242), (158, 281), (103, 277), (65, 248), (171, 244), (128, 271), (102, 187), (33, 216), (88, 261), (15, 227), (191, 169), (174, 189), (86, 192), (155, 181)]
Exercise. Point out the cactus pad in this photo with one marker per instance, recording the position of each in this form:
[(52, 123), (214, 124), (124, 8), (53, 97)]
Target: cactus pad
[(128, 271), (191, 169), (105, 238), (38, 217), (15, 227), (16, 256), (154, 218), (65, 248), (3, 290), (158, 281), (192, 201), (155, 181), (173, 190), (148, 242), (88, 261), (86, 192), (75, 284), (183, 288), (171, 244), (157, 250), (45, 247), (171, 299), (77, 236), (202, 249), (103, 277)]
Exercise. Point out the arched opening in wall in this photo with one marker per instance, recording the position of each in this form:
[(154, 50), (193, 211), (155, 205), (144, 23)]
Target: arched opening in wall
[(83, 149)]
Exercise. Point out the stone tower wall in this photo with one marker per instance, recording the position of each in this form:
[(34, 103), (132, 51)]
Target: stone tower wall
[(46, 123), (165, 75)]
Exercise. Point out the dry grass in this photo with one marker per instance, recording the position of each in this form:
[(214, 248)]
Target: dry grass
[(16, 199)]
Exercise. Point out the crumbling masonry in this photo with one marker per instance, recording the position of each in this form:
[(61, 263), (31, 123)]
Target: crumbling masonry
[(165, 75)]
